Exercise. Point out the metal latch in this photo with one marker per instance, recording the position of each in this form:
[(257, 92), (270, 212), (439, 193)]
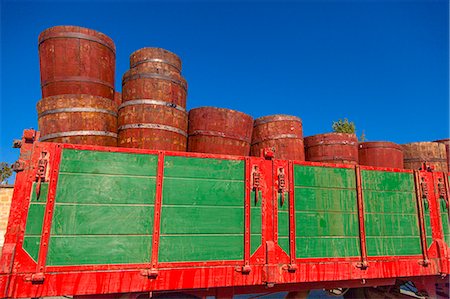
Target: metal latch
[(256, 182), (246, 269), (41, 172), (442, 191), (424, 188), (282, 184), (150, 273)]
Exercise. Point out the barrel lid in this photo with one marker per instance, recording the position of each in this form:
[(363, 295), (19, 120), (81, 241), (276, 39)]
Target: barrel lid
[(164, 55), (274, 118), (378, 144), (219, 110), (70, 31)]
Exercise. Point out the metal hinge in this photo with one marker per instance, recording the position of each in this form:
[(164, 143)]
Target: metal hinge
[(282, 184), (18, 166), (424, 188), (150, 273), (246, 269), (256, 182), (41, 172)]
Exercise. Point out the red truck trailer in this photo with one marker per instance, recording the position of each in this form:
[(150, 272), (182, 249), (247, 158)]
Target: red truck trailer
[(91, 221)]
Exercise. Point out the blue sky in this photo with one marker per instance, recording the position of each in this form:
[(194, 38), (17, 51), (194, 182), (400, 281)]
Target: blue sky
[(382, 64)]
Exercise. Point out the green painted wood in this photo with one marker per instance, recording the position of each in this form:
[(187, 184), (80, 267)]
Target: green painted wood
[(35, 219), (200, 248), (203, 168), (283, 221), (105, 189), (328, 177), (103, 208), (182, 191), (202, 217), (255, 222), (97, 162), (76, 219), (390, 209), (326, 219), (315, 247), (428, 230), (95, 250), (445, 220)]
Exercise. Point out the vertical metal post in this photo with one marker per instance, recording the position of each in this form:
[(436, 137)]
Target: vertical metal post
[(419, 198), (292, 266), (362, 228), (248, 174)]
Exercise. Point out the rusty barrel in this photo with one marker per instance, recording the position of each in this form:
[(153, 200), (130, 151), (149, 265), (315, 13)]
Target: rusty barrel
[(76, 60), (432, 153), (447, 150), (152, 124), (79, 119), (282, 133), (156, 60), (380, 154), (332, 148), (118, 98), (219, 131)]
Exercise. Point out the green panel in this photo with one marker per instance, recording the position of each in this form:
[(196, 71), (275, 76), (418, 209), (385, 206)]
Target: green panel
[(35, 219), (203, 168), (387, 181), (382, 246), (390, 207), (200, 248), (313, 199), (79, 161), (201, 220), (103, 208), (313, 176), (255, 222), (180, 191), (202, 216), (445, 221), (92, 250), (105, 189), (312, 247), (428, 229), (324, 223), (283, 222), (326, 218), (76, 219)]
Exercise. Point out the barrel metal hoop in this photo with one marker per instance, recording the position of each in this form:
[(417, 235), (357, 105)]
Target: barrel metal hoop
[(331, 158), (220, 134), (77, 79), (154, 76), (276, 137), (153, 126), (377, 147), (78, 35), (77, 109), (156, 60), (79, 133), (259, 122), (424, 160), (151, 102), (321, 143)]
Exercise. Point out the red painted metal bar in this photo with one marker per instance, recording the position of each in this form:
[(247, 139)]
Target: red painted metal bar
[(248, 174), (157, 216), (362, 227), (447, 193), (419, 197), (291, 215), (55, 158)]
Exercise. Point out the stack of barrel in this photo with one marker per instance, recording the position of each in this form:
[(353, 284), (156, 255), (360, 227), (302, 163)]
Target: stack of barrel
[(77, 79), (432, 153), (153, 114)]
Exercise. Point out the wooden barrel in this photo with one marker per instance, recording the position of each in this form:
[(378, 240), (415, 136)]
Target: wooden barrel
[(76, 60), (118, 98), (447, 150), (219, 131), (152, 124), (282, 133), (138, 85), (380, 154), (156, 60), (432, 153), (332, 148), (79, 119)]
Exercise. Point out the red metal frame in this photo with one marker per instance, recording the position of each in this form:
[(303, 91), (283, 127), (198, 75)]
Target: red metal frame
[(268, 267)]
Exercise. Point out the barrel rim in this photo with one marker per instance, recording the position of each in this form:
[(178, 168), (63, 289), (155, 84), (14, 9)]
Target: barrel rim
[(379, 144), (274, 118), (312, 137), (446, 140), (156, 48), (220, 109), (133, 74), (56, 30)]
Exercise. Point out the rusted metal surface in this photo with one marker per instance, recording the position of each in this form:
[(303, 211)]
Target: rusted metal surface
[(152, 124), (76, 60), (118, 98), (219, 131), (447, 150), (156, 60), (78, 119), (283, 133), (432, 153), (332, 148), (380, 154)]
